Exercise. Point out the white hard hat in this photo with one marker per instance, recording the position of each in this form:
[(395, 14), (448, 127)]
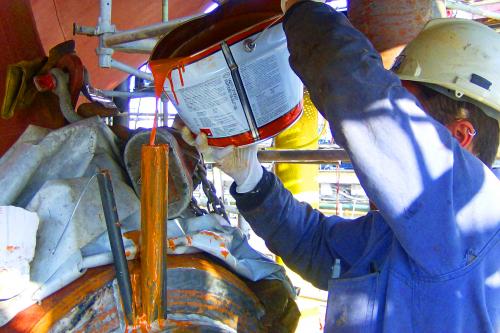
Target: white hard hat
[(457, 57)]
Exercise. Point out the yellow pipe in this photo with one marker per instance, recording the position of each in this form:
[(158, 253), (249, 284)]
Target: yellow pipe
[(300, 179)]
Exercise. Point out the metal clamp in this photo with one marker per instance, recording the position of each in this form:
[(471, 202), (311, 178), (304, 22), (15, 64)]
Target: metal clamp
[(240, 88)]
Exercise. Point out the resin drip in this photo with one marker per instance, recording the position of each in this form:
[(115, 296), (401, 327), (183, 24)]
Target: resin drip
[(162, 70), (152, 137)]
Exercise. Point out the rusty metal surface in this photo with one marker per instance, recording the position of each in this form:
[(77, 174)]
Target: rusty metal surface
[(42, 317), (97, 313), (202, 296), (203, 293), (19, 35), (390, 24)]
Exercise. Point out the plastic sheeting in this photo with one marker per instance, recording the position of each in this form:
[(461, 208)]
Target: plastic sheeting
[(212, 234), (51, 173)]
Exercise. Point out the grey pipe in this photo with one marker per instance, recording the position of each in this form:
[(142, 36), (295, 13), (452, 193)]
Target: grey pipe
[(116, 241)]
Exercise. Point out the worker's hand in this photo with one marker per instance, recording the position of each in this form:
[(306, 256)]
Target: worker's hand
[(241, 164), (287, 4)]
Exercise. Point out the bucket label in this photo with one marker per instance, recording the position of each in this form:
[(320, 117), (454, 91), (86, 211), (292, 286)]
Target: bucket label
[(263, 83), (213, 106)]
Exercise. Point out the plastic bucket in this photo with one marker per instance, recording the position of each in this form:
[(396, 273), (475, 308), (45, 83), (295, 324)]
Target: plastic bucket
[(241, 89)]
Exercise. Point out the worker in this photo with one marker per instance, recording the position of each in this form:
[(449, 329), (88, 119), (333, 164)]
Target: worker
[(421, 145)]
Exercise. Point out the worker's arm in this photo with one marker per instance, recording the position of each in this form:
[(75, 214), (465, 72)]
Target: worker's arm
[(308, 241), (433, 194)]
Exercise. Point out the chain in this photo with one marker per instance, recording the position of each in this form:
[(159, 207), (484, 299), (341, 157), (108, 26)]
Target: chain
[(196, 208), (214, 204)]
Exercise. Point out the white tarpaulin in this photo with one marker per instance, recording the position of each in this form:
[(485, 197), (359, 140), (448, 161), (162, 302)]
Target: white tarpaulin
[(51, 174), (17, 248), (214, 235)]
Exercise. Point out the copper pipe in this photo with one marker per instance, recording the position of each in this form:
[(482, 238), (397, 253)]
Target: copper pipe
[(154, 200)]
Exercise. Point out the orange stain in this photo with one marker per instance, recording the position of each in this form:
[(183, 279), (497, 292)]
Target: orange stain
[(211, 234), (11, 248), (134, 237), (181, 323), (171, 244), (198, 261)]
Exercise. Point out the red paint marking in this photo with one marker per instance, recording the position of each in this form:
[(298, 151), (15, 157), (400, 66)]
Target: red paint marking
[(266, 131), (277, 125), (236, 140), (207, 131)]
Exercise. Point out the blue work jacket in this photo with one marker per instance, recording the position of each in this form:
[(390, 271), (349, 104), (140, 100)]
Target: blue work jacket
[(429, 259)]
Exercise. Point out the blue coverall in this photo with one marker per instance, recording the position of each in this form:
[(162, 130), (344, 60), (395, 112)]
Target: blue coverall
[(429, 259)]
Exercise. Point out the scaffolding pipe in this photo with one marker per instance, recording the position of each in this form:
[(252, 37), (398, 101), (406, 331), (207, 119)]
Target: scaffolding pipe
[(129, 69), (326, 156), (452, 4), (104, 21), (154, 30), (144, 46), (485, 2), (128, 94), (164, 12)]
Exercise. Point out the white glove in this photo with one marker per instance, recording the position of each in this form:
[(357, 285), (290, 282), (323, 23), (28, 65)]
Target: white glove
[(241, 164), (286, 4)]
